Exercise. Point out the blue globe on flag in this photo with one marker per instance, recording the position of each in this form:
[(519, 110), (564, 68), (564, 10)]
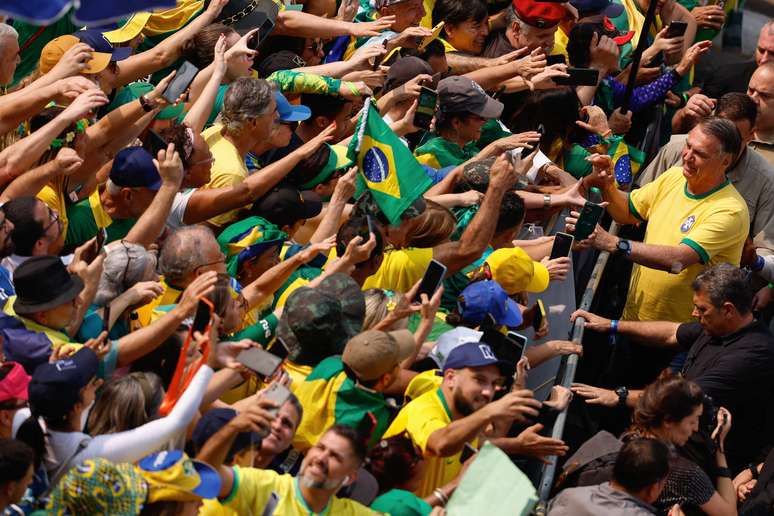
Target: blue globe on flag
[(376, 166)]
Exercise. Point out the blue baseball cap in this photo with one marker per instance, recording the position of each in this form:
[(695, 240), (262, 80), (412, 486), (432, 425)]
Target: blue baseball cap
[(55, 387), (133, 167), (289, 112), (488, 297), (605, 7), (96, 40), (474, 354)]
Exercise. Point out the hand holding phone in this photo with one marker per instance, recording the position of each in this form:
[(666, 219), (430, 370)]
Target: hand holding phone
[(180, 82), (432, 279), (562, 246), (676, 29), (426, 106), (262, 363), (588, 220), (203, 317), (539, 319), (278, 394)]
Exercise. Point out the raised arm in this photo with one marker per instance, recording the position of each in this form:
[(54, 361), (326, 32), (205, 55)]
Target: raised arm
[(168, 51), (603, 178), (305, 25), (30, 183), (207, 203), (200, 110), (147, 228), (661, 334), (456, 255)]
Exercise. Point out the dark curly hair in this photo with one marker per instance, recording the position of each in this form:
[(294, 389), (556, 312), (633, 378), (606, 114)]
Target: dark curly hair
[(668, 399), (392, 462)]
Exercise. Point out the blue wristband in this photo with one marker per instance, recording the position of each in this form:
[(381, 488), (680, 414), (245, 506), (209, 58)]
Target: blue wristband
[(613, 331)]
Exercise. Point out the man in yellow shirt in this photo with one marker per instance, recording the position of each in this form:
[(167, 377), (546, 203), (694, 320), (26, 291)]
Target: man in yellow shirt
[(248, 116), (696, 218), (442, 421), (329, 465)]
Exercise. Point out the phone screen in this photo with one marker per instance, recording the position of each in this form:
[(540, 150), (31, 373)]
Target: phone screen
[(588, 220), (277, 393), (428, 39), (467, 452), (180, 82), (539, 316), (557, 59), (579, 77), (428, 100), (519, 340), (202, 317), (431, 280), (562, 245), (261, 362), (676, 29)]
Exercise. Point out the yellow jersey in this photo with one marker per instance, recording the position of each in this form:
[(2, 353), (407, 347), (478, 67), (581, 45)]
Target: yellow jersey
[(253, 489), (419, 419), (714, 224), (228, 169), (400, 270)]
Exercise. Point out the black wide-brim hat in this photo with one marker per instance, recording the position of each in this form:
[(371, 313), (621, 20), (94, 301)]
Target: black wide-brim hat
[(245, 15), (43, 283)]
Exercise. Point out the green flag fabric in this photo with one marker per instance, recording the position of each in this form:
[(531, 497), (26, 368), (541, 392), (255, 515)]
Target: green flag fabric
[(387, 167)]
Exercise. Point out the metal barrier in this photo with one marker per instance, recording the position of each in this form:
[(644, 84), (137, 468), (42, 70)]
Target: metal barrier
[(549, 470)]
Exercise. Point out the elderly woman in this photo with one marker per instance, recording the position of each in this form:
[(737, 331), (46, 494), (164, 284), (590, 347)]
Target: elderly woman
[(128, 280)]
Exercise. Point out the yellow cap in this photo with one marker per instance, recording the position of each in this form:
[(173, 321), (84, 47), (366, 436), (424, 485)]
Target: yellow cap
[(130, 30), (56, 48), (516, 272)]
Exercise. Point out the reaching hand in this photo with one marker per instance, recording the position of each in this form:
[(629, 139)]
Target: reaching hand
[(412, 88), (155, 95), (360, 89), (597, 121), (410, 37), (691, 56), (604, 54), (71, 87), (100, 345), (618, 122), (601, 173), (309, 148), (470, 198), (357, 251), (516, 405), (509, 57), (532, 444), (559, 398), (347, 10), (170, 166), (87, 102), (310, 253), (74, 61), (219, 61), (241, 50), (699, 106), (143, 293), (545, 79), (256, 418), (723, 427), (709, 16), (362, 59), (214, 9), (430, 306), (596, 395), (68, 161), (227, 351), (592, 321), (557, 268), (531, 65), (518, 141), (371, 29), (667, 45), (202, 286), (345, 186)]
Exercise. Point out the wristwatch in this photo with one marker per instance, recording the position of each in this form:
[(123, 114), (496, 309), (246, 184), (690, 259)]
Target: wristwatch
[(622, 393), (623, 247)]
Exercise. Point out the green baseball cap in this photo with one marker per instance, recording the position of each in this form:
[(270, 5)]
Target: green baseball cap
[(337, 160), (247, 239)]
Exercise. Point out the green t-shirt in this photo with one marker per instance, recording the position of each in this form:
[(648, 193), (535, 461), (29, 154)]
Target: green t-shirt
[(398, 502), (83, 225), (30, 56)]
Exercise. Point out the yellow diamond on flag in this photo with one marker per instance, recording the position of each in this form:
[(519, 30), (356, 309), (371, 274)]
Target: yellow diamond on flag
[(378, 165)]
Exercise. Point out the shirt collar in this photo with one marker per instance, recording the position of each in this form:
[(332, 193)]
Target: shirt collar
[(309, 511)]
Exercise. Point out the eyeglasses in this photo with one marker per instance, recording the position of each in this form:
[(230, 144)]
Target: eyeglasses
[(222, 260), (53, 218)]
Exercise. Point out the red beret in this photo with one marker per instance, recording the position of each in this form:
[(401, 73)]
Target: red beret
[(539, 14)]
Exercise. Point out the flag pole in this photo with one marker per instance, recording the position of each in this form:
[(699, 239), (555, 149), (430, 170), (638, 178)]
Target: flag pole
[(642, 43), (363, 120)]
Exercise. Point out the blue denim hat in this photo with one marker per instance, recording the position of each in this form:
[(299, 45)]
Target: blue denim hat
[(487, 297)]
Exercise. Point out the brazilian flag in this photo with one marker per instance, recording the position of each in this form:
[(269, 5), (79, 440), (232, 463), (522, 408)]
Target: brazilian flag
[(387, 167)]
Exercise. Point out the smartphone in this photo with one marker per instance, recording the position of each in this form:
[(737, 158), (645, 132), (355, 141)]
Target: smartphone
[(379, 59), (676, 29), (90, 254), (428, 99), (203, 316), (277, 393), (261, 362), (155, 143), (467, 452), (279, 349), (106, 318), (263, 32), (588, 220), (180, 82), (557, 59), (579, 77), (562, 246), (427, 39), (436, 77), (371, 229), (539, 317), (520, 340), (431, 280)]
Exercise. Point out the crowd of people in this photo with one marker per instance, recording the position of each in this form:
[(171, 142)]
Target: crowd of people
[(274, 257)]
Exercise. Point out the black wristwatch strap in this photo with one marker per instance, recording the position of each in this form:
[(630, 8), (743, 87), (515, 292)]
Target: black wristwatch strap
[(623, 394), (753, 469), (723, 472)]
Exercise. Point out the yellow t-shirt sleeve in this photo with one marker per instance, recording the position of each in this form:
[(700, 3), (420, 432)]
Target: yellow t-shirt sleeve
[(720, 233), (642, 200), (251, 490), (400, 270), (421, 426), (224, 180)]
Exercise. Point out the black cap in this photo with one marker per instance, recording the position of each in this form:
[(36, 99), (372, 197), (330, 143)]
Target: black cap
[(246, 15), (459, 94), (282, 60), (55, 387), (284, 205), (403, 70), (42, 283)]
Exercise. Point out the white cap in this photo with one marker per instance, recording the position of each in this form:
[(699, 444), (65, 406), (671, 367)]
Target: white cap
[(451, 339)]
